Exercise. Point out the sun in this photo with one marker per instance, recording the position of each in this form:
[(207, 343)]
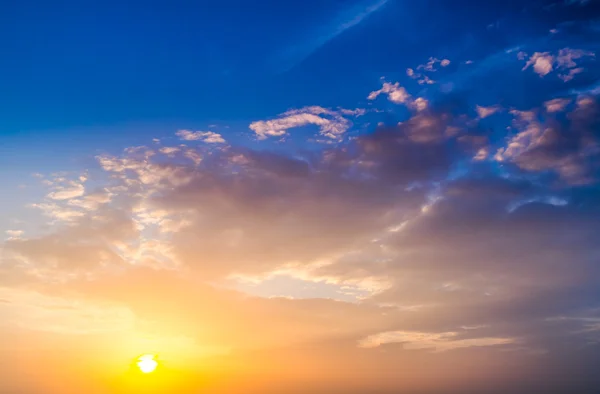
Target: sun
[(147, 363)]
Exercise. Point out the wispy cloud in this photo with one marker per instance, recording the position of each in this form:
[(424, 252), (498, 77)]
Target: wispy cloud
[(344, 20)]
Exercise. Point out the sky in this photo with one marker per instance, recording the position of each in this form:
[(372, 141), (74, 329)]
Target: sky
[(357, 196)]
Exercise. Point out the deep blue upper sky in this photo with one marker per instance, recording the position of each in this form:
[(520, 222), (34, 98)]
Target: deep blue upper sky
[(76, 63), (82, 74)]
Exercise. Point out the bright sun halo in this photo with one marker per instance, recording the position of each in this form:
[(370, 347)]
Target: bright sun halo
[(147, 363)]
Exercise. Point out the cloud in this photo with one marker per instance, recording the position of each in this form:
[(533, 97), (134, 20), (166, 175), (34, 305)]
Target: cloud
[(439, 342), (564, 61), (209, 137), (433, 61), (541, 62), (169, 150), (484, 112), (12, 234), (429, 67), (331, 123), (556, 105), (429, 245), (65, 189), (346, 19), (396, 93), (567, 148)]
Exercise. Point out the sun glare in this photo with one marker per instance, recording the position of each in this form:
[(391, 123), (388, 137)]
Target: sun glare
[(147, 363)]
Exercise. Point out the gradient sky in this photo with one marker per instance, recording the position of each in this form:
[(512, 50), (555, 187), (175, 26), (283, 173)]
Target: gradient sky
[(358, 196)]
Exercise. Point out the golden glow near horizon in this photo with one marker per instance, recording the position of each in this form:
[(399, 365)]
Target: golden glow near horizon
[(147, 363)]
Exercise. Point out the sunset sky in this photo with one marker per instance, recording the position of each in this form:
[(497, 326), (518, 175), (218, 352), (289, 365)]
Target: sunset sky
[(316, 196)]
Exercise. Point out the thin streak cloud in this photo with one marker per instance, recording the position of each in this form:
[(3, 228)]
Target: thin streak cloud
[(344, 20)]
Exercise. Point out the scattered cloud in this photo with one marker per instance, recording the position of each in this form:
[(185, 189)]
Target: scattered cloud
[(563, 61), (420, 72), (331, 123), (484, 112), (439, 342), (541, 62), (556, 105), (396, 93), (345, 19), (566, 148), (209, 137), (12, 234)]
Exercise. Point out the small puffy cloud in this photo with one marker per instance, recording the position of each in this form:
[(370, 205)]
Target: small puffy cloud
[(431, 63), (65, 189), (423, 69), (484, 112), (209, 137), (426, 81), (353, 112), (14, 233), (92, 201), (396, 93), (556, 105), (563, 61), (331, 123), (541, 62), (566, 57), (571, 74), (482, 154), (67, 192), (420, 103), (169, 150)]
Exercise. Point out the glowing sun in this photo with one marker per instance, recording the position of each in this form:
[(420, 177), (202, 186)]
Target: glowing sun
[(147, 363)]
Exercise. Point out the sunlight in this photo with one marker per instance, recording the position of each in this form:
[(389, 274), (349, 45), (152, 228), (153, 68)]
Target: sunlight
[(147, 363)]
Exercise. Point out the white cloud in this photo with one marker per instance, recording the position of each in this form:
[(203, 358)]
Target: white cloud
[(556, 105), (58, 212), (571, 74), (482, 154), (209, 137), (14, 233), (353, 112), (428, 66), (93, 201), (541, 62), (169, 150), (544, 63), (396, 93), (440, 342), (66, 190), (331, 123), (566, 57), (426, 80), (420, 104), (445, 62), (484, 112)]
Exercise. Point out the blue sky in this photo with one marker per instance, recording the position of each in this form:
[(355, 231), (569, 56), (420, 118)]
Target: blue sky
[(359, 181)]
